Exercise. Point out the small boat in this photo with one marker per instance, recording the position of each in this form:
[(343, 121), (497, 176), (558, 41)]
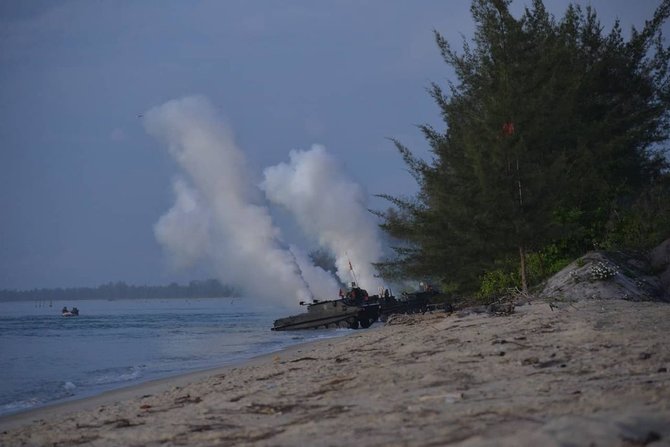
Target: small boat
[(70, 313)]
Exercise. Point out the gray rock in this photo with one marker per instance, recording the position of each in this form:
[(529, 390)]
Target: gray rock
[(579, 281), (664, 277), (659, 257)]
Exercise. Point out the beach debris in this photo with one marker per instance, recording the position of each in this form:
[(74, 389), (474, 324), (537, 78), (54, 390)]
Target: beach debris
[(530, 361), (644, 355), (550, 363), (117, 423), (503, 341), (500, 308), (447, 398), (187, 399), (424, 353), (474, 310), (331, 385), (518, 296), (338, 380), (237, 398), (198, 428), (259, 408), (505, 304), (402, 319), (303, 359), (242, 436), (270, 376), (121, 423)]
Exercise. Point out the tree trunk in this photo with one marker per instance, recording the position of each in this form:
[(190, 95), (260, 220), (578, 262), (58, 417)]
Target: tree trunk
[(522, 256)]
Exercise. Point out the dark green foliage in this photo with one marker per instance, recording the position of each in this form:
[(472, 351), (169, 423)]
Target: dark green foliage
[(496, 283), (504, 275), (640, 224), (552, 145)]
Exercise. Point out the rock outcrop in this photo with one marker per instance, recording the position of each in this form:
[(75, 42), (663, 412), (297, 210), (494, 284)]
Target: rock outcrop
[(601, 275), (659, 260)]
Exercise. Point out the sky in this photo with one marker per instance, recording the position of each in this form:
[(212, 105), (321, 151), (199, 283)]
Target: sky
[(83, 183)]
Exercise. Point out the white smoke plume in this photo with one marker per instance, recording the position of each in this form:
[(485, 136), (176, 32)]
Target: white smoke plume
[(321, 283), (184, 230), (219, 217), (329, 207)]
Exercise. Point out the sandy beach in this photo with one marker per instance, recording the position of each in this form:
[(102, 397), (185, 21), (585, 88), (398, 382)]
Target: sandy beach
[(593, 372)]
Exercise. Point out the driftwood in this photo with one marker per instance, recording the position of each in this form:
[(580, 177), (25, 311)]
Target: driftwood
[(505, 305)]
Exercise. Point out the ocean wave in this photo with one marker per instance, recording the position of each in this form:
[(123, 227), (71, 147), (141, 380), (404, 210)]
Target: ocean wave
[(116, 375), (20, 405)]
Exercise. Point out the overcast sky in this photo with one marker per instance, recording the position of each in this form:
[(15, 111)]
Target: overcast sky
[(81, 182)]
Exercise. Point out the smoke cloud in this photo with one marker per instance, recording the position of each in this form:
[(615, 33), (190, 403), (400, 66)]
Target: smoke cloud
[(217, 215), (321, 283), (184, 230), (330, 207)]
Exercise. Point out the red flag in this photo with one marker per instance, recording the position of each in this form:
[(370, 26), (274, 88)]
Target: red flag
[(508, 128)]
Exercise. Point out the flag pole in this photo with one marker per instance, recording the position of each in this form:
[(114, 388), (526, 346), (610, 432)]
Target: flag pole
[(351, 269)]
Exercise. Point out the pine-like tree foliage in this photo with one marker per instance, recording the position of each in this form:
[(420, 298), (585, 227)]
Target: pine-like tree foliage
[(550, 124)]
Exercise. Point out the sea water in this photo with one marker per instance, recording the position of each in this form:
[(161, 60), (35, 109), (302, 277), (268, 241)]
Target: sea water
[(47, 358)]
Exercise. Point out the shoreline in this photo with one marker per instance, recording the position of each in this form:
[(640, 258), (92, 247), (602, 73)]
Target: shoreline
[(594, 371), (137, 390)]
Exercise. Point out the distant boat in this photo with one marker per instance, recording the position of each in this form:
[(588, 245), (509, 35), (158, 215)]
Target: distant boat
[(70, 313)]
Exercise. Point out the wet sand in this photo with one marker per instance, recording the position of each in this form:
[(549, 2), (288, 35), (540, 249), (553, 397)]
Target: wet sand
[(593, 372)]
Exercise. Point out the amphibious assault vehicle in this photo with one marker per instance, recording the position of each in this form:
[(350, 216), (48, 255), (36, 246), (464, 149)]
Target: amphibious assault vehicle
[(408, 303), (340, 313)]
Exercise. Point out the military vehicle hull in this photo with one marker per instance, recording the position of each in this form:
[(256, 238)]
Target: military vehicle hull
[(330, 314), (409, 303)]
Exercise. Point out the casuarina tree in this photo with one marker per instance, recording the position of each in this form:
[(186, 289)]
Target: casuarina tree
[(549, 125)]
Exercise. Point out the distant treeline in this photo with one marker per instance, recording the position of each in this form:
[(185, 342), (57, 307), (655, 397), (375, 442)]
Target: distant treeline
[(210, 288)]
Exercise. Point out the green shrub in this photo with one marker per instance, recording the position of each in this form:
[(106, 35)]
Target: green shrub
[(547, 261), (495, 283)]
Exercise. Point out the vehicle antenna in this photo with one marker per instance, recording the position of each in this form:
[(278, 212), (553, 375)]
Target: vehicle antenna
[(351, 269)]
